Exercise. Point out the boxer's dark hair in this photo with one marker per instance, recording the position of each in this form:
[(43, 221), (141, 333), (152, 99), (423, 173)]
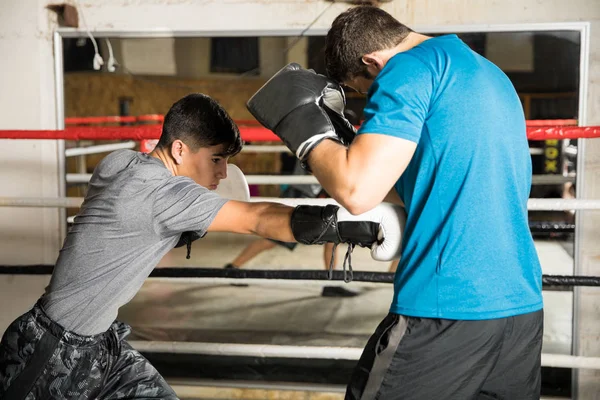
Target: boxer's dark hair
[(199, 121), (356, 32)]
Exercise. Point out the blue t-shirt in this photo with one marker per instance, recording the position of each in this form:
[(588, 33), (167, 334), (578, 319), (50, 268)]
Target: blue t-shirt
[(467, 251)]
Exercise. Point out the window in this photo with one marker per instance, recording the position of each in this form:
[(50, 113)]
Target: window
[(234, 55)]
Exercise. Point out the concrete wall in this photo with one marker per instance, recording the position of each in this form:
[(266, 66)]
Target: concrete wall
[(30, 236), (27, 102), (28, 168)]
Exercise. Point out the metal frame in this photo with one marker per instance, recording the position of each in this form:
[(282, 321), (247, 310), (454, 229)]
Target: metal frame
[(167, 33), (582, 27), (581, 145), (60, 124)]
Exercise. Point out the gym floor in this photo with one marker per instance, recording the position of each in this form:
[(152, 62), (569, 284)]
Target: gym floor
[(291, 313)]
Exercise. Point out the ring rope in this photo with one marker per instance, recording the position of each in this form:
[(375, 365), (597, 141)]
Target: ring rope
[(313, 352), (158, 118), (248, 133), (75, 202), (538, 179), (551, 227), (313, 275)]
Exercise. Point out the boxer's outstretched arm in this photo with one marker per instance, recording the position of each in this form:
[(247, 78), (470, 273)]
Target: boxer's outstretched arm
[(379, 229), (269, 220), (361, 176)]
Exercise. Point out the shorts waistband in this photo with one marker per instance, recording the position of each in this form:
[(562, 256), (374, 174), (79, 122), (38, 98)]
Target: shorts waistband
[(111, 337)]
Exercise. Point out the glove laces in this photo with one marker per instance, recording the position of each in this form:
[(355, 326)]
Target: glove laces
[(349, 275)]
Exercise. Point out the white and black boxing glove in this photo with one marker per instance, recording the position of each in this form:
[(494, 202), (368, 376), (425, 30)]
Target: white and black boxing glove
[(302, 108), (379, 229)]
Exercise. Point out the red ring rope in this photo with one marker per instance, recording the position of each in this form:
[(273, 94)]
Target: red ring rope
[(251, 131)]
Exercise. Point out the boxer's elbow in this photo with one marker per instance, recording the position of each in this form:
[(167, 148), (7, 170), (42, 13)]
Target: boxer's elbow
[(354, 207), (358, 205), (359, 190), (358, 199)]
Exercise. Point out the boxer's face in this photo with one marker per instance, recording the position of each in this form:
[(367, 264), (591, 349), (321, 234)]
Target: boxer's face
[(359, 84), (206, 167), (362, 83)]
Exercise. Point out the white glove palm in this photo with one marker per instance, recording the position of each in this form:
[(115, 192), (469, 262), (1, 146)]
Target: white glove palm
[(391, 220)]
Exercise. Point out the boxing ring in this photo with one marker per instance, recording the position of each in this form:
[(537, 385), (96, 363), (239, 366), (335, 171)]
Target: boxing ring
[(280, 313)]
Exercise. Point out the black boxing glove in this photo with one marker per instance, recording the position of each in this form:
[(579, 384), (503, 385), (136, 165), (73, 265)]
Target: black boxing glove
[(319, 225), (379, 229), (302, 108)]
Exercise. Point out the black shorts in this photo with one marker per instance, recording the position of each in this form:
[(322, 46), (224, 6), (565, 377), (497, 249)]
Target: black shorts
[(41, 360), (418, 358)]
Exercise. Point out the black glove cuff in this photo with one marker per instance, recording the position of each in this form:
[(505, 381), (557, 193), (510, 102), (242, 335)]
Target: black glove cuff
[(315, 224), (360, 233)]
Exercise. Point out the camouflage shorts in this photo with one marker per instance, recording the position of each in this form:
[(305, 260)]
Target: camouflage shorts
[(40, 360)]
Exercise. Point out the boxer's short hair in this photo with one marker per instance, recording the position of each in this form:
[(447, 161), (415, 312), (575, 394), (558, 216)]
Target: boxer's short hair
[(356, 32), (199, 121)]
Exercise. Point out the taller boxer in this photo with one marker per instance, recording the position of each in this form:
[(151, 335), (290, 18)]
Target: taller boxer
[(137, 208), (443, 129)]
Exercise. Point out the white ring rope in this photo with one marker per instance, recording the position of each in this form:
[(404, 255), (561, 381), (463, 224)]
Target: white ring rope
[(43, 202), (75, 202), (562, 204), (311, 180), (567, 361), (552, 179), (251, 179), (107, 148), (249, 148), (315, 352), (248, 350), (532, 204), (103, 148)]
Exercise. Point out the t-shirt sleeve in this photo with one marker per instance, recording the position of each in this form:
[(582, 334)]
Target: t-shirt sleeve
[(181, 205), (399, 99)]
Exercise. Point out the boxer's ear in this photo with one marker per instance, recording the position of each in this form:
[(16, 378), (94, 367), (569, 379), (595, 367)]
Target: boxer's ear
[(177, 150)]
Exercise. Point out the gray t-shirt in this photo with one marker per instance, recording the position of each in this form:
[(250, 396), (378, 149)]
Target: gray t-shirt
[(134, 213)]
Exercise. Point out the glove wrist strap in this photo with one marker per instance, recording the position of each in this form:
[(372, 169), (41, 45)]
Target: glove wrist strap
[(315, 224)]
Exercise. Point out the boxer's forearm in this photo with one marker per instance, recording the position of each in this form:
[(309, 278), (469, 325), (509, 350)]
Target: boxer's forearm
[(273, 221), (269, 220), (339, 171), (361, 176)]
